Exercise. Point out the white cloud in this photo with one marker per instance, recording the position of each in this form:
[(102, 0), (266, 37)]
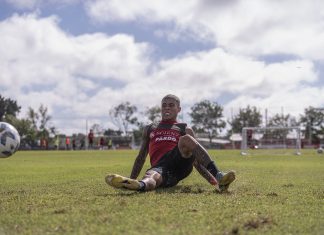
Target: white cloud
[(209, 75), (37, 46), (248, 27), (293, 102), (83, 77), (85, 84), (40, 63), (117, 57), (150, 11)]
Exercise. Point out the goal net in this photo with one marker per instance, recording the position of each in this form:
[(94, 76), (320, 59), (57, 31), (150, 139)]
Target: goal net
[(271, 140)]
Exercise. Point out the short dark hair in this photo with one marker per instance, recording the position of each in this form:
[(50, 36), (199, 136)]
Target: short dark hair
[(174, 97)]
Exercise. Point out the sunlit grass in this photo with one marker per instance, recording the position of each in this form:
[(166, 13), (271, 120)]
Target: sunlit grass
[(64, 193)]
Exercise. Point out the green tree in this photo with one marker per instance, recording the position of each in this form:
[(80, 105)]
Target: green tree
[(111, 132), (207, 117), (33, 116), (313, 121), (138, 133), (153, 113), (8, 107), (40, 122), (282, 121), (248, 117), (97, 129), (123, 115), (44, 129)]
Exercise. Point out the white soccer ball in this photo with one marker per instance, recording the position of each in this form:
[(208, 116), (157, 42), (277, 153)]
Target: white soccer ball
[(320, 150), (9, 140)]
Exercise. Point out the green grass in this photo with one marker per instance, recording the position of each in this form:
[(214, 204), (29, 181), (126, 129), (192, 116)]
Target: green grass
[(63, 192)]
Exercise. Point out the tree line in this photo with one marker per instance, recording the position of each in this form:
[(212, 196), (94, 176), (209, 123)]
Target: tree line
[(206, 117)]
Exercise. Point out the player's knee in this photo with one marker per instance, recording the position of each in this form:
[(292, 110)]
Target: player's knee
[(184, 140), (187, 142)]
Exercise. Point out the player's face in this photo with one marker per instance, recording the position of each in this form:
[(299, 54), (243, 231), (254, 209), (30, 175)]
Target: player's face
[(170, 109)]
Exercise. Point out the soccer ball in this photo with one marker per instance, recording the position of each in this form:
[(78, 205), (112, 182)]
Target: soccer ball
[(9, 140), (320, 150)]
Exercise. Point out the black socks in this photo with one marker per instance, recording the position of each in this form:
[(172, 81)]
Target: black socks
[(212, 168)]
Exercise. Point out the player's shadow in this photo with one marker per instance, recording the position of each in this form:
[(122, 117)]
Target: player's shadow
[(190, 189), (187, 189), (178, 189), (120, 193)]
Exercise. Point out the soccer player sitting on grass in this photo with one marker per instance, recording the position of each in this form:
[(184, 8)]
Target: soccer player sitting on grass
[(173, 152)]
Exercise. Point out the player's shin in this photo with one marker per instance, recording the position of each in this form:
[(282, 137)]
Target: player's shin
[(205, 173), (202, 157), (223, 179)]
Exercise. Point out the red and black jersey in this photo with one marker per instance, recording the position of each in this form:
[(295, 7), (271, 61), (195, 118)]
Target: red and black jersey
[(164, 136)]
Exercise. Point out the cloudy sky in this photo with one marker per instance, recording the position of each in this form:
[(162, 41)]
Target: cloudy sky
[(80, 58)]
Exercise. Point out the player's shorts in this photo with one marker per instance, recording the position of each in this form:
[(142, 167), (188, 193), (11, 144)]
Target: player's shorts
[(173, 167)]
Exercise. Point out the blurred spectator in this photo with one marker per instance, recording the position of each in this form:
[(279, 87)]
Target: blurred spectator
[(102, 143), (56, 142), (82, 144), (73, 144), (43, 143), (67, 143), (109, 143), (90, 138)]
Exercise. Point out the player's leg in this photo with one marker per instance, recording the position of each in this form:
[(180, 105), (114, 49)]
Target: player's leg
[(189, 146), (151, 180), (118, 181)]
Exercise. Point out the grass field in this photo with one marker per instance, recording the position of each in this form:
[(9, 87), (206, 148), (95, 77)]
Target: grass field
[(63, 192)]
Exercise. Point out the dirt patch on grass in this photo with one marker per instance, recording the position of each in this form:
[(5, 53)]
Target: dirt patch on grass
[(235, 230), (192, 189), (60, 211), (251, 224), (257, 223)]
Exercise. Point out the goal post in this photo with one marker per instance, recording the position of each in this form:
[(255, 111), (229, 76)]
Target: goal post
[(268, 139)]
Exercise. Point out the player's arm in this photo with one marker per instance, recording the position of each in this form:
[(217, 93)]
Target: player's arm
[(200, 168), (140, 159)]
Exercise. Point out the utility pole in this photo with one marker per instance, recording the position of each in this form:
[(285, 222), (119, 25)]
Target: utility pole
[(266, 117), (86, 135)]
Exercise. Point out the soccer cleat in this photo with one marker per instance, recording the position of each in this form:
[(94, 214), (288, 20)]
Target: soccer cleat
[(225, 181), (118, 181)]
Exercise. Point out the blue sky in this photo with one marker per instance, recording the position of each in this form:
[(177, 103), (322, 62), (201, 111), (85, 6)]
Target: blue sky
[(80, 58)]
